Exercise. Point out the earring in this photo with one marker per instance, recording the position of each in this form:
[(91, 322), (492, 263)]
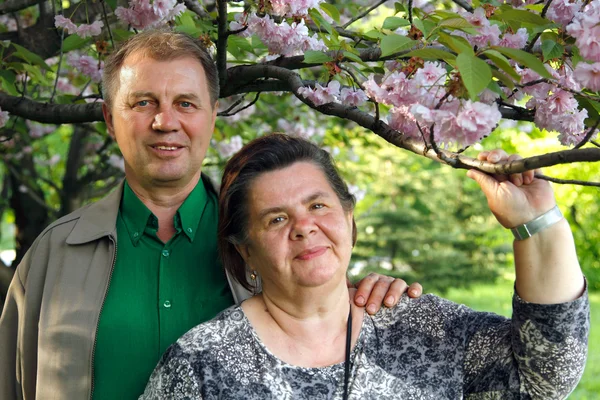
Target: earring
[(253, 275)]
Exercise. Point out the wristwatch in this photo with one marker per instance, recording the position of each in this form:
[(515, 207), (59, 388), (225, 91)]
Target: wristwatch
[(538, 224)]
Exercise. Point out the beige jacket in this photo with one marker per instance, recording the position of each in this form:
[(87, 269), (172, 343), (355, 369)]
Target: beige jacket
[(48, 326)]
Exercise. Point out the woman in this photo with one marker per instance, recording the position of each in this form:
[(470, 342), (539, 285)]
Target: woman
[(286, 217)]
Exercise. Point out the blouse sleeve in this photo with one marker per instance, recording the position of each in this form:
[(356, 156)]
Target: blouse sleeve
[(173, 378), (540, 353)]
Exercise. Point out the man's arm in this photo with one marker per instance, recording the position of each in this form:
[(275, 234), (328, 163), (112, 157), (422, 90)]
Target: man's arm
[(547, 269), (376, 290), (9, 328)]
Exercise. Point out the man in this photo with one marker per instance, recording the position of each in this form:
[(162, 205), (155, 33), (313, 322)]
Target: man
[(103, 291)]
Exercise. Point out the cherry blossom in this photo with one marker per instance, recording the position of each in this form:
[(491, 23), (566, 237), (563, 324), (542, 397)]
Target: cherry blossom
[(294, 8), (227, 149), (353, 98), (3, 117), (142, 14), (87, 65), (586, 31), (588, 75), (563, 11), (83, 30)]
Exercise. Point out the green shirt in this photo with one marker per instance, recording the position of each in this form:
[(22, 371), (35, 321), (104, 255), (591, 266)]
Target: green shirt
[(157, 291)]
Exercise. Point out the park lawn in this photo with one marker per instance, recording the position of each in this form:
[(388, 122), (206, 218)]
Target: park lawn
[(497, 298)]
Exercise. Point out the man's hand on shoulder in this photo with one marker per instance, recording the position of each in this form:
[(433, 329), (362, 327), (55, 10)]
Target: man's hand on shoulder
[(376, 290)]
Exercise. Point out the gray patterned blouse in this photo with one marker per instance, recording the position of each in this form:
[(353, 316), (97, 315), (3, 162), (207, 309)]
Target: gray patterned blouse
[(426, 348)]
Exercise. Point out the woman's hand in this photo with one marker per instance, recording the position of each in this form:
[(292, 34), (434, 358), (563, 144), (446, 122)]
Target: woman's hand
[(376, 290), (514, 199)]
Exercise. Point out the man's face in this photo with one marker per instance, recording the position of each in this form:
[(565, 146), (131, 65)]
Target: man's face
[(162, 119)]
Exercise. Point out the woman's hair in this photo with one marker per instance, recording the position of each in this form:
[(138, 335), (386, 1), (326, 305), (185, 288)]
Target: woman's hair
[(264, 154), (159, 45)]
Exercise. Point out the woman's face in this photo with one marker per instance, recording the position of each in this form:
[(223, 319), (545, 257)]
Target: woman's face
[(299, 235)]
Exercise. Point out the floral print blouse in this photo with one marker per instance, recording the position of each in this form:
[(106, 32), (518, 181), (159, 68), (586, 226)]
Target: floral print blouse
[(425, 348)]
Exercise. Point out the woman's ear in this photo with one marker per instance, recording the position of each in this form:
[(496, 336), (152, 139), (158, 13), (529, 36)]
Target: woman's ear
[(244, 251)]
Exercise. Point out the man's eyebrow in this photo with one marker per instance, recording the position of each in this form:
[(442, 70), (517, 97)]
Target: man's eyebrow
[(140, 93)]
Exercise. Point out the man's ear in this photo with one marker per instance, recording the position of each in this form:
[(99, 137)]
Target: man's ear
[(109, 120)]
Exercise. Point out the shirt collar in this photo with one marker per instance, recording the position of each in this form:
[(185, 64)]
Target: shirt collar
[(189, 214), (135, 214), (138, 217)]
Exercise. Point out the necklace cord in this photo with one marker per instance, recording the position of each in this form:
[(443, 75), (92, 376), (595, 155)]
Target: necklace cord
[(347, 359)]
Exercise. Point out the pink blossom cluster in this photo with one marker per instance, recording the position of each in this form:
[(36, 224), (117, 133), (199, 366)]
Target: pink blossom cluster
[(488, 34), (227, 149), (563, 11), (588, 75), (64, 85), (37, 130), (144, 14), (294, 8), (556, 109), (414, 102), (86, 65), (281, 39), (585, 28), (3, 117), (83, 30), (331, 93), (294, 128)]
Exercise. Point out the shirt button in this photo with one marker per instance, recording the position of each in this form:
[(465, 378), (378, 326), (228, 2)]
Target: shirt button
[(189, 230), (167, 304), (135, 234), (165, 253)]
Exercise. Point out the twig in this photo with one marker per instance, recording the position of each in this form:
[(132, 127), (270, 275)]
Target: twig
[(363, 14), (464, 5), (588, 136), (112, 42), (60, 57), (595, 143), (222, 42), (243, 108), (194, 5), (349, 72), (234, 105), (567, 181), (410, 3)]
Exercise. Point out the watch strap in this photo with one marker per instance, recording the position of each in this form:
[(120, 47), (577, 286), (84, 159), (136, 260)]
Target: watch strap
[(538, 224)]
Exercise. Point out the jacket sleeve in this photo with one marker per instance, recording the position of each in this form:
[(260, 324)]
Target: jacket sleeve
[(11, 322), (540, 353)]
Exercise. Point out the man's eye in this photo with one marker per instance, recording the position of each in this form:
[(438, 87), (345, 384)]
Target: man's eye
[(186, 104), (142, 103), (318, 206)]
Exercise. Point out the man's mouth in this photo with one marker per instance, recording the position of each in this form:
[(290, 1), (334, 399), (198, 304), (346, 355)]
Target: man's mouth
[(166, 147)]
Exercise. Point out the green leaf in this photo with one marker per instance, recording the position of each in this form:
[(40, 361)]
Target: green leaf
[(501, 62), (505, 79), (332, 11), (393, 23), (457, 23), (456, 43), (112, 4), (395, 43), (240, 42), (74, 42), (8, 82), (318, 19), (474, 72), (528, 60), (30, 57), (352, 56), (551, 49), (316, 57), (433, 54), (373, 34), (509, 14), (186, 20)]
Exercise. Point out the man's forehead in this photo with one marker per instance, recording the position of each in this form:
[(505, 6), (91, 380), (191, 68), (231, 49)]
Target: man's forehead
[(139, 56)]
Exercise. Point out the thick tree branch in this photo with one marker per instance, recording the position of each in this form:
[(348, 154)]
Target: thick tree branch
[(9, 6), (51, 113)]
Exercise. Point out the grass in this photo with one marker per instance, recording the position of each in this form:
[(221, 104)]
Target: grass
[(497, 298)]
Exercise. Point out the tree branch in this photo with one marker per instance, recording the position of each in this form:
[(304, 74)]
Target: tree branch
[(464, 5), (51, 113), (194, 6), (16, 5), (567, 181)]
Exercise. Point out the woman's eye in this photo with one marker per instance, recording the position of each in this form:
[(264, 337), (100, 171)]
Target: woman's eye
[(276, 220), (318, 206)]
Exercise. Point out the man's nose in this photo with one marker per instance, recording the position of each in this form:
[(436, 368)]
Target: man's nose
[(166, 120)]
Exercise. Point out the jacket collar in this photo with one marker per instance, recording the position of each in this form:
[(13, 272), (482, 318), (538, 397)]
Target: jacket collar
[(98, 220)]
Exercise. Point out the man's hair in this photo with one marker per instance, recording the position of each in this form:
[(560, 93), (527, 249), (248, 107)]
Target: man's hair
[(160, 45), (264, 154)]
